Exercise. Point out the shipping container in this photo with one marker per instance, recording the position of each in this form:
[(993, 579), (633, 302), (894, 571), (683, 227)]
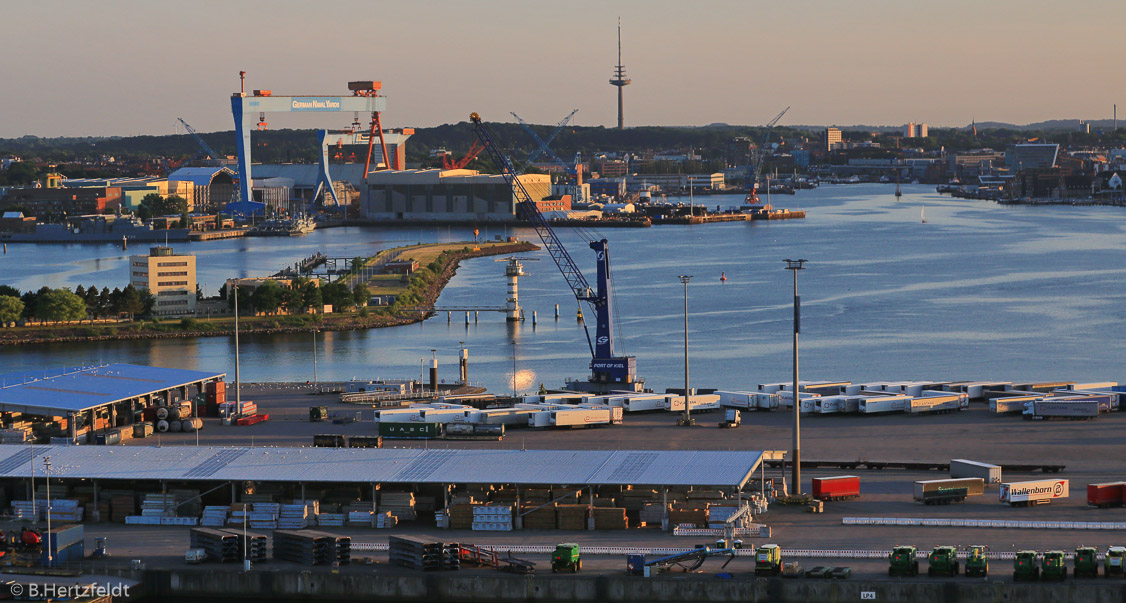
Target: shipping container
[(768, 401), (1057, 408), (840, 487), (410, 430), (330, 440), (829, 404), (974, 486), (397, 415), (786, 400), (1011, 404), (540, 418), (445, 415), (883, 404), (365, 441), (1034, 492), (976, 389), (1105, 495), (504, 416), (964, 468)]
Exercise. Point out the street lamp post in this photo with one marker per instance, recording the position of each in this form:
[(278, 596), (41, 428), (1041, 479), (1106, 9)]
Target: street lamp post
[(238, 380), (514, 369), (315, 381), (686, 420), (794, 266), (50, 556)]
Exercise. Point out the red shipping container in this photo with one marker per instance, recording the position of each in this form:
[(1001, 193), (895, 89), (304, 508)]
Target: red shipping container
[(1105, 495), (836, 488), (251, 420)]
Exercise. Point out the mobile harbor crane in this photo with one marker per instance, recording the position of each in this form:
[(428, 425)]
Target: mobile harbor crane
[(608, 372)]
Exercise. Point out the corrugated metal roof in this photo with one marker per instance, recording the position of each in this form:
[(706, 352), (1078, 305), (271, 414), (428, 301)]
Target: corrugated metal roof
[(74, 390), (201, 176), (388, 465)]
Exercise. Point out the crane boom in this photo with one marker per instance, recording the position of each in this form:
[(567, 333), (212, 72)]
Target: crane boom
[(544, 145), (755, 168), (199, 139), (607, 370)]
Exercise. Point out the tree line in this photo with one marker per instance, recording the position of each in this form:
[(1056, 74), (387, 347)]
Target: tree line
[(63, 305), (301, 295)]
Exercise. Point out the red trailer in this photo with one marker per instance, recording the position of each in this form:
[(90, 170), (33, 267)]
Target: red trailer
[(1109, 494), (841, 487)]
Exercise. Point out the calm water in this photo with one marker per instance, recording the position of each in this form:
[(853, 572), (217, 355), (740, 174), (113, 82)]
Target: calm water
[(980, 291)]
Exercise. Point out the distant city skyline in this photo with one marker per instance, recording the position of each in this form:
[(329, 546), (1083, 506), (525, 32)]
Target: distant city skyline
[(130, 67)]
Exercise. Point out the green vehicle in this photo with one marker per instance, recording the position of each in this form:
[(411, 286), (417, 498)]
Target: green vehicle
[(943, 561), (566, 557), (1053, 566), (903, 561), (1026, 566), (768, 560), (1086, 562), (977, 561), (1113, 561)]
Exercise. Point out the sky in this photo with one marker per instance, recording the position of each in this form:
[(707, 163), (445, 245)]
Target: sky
[(129, 67)]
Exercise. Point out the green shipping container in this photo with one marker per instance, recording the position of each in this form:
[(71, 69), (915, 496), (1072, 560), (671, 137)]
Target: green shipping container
[(410, 430)]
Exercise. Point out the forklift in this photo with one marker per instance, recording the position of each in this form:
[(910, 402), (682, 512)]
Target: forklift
[(566, 557), (903, 561), (943, 561), (977, 561), (1086, 562)]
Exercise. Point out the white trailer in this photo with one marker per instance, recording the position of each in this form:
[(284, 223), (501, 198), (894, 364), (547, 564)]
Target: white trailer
[(768, 401), (504, 416), (1060, 408), (697, 403), (1011, 404), (1024, 494), (579, 417), (966, 468), (786, 399), (644, 403), (829, 404), (938, 402), (1109, 385), (540, 419), (397, 415), (770, 388), (870, 405), (444, 415), (738, 399)]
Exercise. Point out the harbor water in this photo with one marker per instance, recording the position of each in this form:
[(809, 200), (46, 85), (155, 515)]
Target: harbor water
[(978, 291)]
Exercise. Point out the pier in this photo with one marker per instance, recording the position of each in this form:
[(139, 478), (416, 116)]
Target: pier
[(213, 235)]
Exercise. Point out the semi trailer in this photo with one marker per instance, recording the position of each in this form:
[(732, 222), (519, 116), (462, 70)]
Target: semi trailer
[(1024, 494)]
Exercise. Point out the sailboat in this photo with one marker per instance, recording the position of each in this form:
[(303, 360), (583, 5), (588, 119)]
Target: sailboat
[(923, 213), (898, 193)]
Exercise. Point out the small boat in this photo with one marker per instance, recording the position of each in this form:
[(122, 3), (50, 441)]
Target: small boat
[(923, 213), (723, 277)]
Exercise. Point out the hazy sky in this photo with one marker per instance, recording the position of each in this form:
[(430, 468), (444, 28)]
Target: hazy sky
[(125, 67)]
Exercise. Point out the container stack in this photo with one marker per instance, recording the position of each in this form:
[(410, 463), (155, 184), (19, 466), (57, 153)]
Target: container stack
[(610, 518), (492, 518), (400, 504), (419, 554), (309, 547), (215, 517), (571, 517)]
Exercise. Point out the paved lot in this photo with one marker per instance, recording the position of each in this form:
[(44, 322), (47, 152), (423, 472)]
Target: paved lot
[(1091, 450)]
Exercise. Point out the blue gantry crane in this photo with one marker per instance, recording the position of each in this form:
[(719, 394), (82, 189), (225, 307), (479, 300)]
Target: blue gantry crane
[(545, 145), (608, 371), (199, 139)]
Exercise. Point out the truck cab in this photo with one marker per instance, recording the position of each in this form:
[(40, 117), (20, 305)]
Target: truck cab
[(1052, 566), (1026, 566), (977, 561), (1086, 562), (903, 561), (566, 558), (943, 561), (768, 560), (1113, 561)]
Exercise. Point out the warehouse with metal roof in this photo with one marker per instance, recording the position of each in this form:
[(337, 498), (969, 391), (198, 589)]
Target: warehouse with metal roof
[(84, 395)]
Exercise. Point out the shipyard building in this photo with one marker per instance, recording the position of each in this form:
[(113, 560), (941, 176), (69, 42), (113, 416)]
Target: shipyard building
[(446, 195)]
